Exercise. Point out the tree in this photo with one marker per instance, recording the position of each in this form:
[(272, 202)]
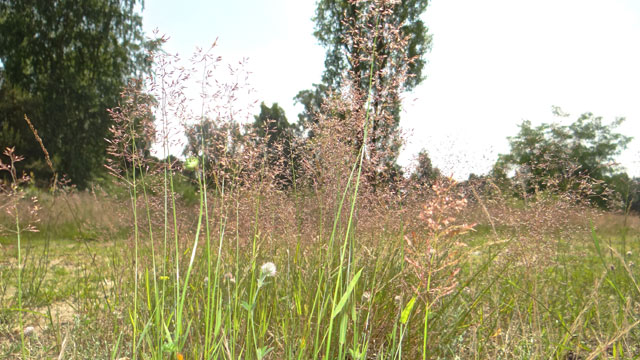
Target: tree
[(347, 30), (276, 136), (425, 173), (219, 143), (634, 198), (13, 129), (265, 146), (555, 154), (64, 64), (335, 21), (272, 125), (311, 100), (628, 191)]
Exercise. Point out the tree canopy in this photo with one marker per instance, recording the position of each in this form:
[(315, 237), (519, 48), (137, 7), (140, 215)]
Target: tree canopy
[(276, 137), (216, 142), (348, 30), (587, 147), (425, 173), (272, 125), (64, 64), (335, 21)]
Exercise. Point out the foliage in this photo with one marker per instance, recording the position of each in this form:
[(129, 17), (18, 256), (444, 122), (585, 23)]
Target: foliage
[(335, 20), (628, 191), (64, 65), (276, 136), (555, 154), (218, 143), (312, 101), (425, 173), (272, 125), (634, 192), (15, 131), (349, 30)]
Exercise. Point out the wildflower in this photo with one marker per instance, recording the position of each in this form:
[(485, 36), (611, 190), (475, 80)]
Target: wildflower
[(29, 330), (229, 276), (366, 296), (268, 269), (629, 253)]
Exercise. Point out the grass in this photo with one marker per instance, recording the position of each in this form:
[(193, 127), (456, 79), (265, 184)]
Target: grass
[(233, 255), (583, 302)]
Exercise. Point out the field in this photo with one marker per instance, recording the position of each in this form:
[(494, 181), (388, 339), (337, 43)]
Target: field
[(151, 209), (272, 240), (446, 275)]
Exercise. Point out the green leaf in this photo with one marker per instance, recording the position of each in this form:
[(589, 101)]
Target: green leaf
[(343, 330), (263, 351), (407, 311), (169, 347), (346, 295), (246, 306)]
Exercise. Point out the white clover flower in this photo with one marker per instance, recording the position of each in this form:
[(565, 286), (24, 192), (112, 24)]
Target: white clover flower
[(268, 269), (29, 330)]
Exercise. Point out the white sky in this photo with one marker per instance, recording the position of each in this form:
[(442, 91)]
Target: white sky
[(493, 64)]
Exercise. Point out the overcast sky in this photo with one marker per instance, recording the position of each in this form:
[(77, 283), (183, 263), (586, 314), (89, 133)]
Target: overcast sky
[(493, 64)]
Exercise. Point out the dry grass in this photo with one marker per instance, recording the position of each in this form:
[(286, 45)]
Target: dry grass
[(168, 262)]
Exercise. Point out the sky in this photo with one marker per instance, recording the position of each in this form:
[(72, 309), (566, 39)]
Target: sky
[(493, 64)]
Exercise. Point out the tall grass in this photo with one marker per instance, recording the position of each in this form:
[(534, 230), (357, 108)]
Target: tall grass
[(506, 300), (323, 264)]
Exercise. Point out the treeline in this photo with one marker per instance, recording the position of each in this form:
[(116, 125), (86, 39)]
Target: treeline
[(65, 65), (551, 158)]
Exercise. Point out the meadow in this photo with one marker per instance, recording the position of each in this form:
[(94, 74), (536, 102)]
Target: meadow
[(256, 246), (273, 275)]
